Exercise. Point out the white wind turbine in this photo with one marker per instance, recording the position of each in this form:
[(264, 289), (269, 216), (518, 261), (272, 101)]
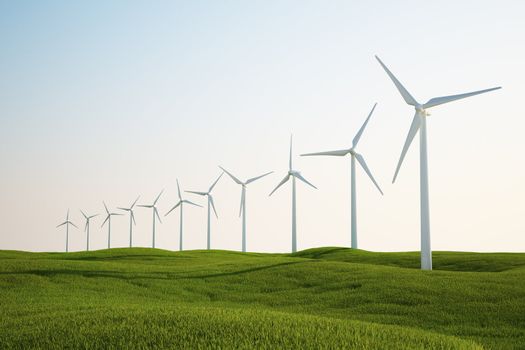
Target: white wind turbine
[(293, 174), (354, 156), (131, 220), (108, 220), (180, 204), (155, 213), (86, 228), (242, 210), (419, 123), (210, 204), (67, 223)]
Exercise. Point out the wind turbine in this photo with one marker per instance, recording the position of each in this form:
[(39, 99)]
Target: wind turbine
[(108, 220), (155, 213), (293, 174), (354, 156), (131, 220), (419, 123), (86, 228), (67, 223), (181, 204), (210, 204), (242, 210)]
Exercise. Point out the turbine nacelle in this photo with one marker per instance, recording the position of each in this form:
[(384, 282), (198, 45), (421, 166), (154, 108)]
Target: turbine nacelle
[(420, 109)]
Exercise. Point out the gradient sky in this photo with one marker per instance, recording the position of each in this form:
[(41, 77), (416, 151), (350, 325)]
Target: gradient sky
[(108, 100)]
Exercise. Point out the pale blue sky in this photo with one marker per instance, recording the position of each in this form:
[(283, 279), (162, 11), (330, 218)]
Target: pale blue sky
[(112, 99)]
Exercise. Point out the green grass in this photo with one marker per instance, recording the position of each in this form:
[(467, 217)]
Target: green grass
[(318, 298)]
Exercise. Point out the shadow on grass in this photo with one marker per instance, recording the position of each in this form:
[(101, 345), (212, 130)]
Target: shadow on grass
[(148, 275)]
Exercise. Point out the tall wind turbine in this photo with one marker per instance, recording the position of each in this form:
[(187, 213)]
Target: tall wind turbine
[(419, 123), (67, 223), (210, 204), (354, 156), (181, 204), (242, 210), (293, 174), (108, 220), (86, 228), (131, 220), (155, 213)]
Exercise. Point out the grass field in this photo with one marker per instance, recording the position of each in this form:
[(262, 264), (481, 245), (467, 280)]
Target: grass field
[(318, 298)]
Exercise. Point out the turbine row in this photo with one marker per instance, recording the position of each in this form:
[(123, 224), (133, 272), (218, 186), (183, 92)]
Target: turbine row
[(418, 125)]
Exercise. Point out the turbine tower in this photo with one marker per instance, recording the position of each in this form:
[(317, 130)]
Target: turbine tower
[(242, 210), (419, 123), (210, 204), (86, 228), (155, 213), (293, 174), (67, 223), (354, 156), (131, 220), (181, 204), (108, 220)]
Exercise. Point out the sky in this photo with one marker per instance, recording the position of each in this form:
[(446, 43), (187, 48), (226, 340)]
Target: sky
[(109, 100)]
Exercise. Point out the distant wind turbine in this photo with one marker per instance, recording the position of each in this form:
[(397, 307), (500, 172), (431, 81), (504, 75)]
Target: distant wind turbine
[(108, 220), (242, 210), (354, 155), (67, 223), (131, 220), (210, 204), (180, 204), (293, 174), (419, 123), (155, 213), (86, 228)]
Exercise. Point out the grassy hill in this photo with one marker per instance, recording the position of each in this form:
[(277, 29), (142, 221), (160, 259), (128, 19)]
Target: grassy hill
[(318, 298)]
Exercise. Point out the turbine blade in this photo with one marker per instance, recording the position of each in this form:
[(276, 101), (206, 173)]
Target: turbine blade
[(290, 163), (105, 207), (62, 224), (107, 218), (257, 177), (144, 206), (361, 161), (157, 213), (92, 216), (126, 209), (404, 92), (213, 185), (338, 153), (190, 202), (243, 196), (281, 183), (86, 226), (213, 206), (414, 127), (231, 175), (178, 189), (83, 214), (157, 199), (135, 202), (195, 192), (73, 224), (300, 177), (360, 132), (445, 99), (67, 215), (172, 209), (133, 217)]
